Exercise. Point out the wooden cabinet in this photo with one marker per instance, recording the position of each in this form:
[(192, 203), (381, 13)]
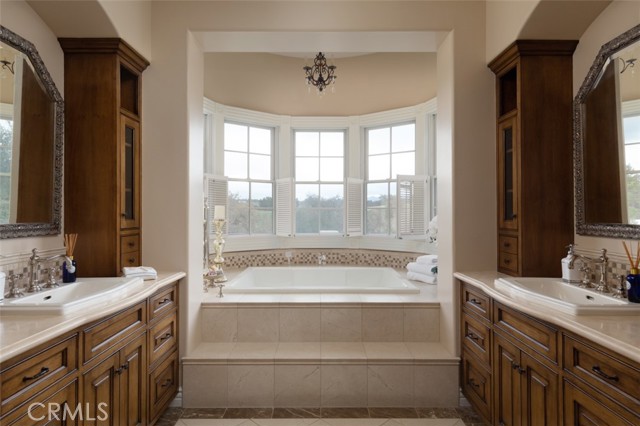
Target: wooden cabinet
[(519, 370), (534, 155), (119, 370), (103, 81)]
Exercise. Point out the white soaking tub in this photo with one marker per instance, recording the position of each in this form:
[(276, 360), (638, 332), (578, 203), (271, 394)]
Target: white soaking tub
[(320, 279)]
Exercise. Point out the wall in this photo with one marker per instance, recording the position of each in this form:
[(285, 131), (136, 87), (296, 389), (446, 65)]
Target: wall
[(619, 17), (22, 20), (275, 83)]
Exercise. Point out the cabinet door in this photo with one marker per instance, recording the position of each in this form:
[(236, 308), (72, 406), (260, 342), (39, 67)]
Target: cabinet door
[(133, 395), (100, 393), (539, 390), (593, 409), (508, 156), (129, 173), (506, 367)]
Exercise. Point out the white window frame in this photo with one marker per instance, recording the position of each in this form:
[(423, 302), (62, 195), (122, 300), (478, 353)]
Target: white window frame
[(424, 116)]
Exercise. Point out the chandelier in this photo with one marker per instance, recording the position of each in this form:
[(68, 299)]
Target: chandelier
[(320, 74)]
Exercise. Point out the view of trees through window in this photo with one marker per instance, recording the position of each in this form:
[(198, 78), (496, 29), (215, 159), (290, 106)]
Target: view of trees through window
[(390, 151), (249, 167), (632, 164), (319, 176), (6, 132)]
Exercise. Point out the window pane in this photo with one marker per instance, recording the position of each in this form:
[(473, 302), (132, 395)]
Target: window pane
[(235, 137), (631, 127), (307, 195), (332, 144), (307, 144), (393, 221), (403, 164), (262, 195), (238, 208), (235, 165), (307, 221), (632, 157), (259, 140), (307, 169), (259, 167), (331, 221), (377, 222), (377, 194), (378, 141), (332, 196), (379, 167), (403, 138), (261, 221), (331, 169)]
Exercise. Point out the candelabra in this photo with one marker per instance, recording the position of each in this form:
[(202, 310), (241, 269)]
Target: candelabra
[(218, 248)]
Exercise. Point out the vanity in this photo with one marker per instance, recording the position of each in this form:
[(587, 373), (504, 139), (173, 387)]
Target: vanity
[(117, 364), (526, 364)]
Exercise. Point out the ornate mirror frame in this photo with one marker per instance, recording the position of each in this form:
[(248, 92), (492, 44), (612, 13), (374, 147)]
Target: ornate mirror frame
[(17, 230), (610, 230)]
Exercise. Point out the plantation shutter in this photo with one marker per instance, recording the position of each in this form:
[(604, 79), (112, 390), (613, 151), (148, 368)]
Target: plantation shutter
[(284, 207), (412, 196), (354, 207), (216, 192)]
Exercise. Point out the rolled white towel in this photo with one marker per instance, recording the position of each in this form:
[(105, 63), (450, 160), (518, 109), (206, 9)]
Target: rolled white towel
[(422, 268), (428, 259), (144, 272), (422, 277)]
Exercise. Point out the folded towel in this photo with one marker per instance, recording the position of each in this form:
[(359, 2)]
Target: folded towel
[(428, 259), (144, 272), (421, 268), (422, 277)]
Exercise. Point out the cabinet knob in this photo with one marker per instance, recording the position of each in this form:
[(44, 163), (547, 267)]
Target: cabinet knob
[(132, 260), (131, 244)]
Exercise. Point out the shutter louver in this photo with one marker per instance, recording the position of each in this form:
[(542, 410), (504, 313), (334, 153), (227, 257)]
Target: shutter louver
[(412, 196), (284, 207), (216, 191), (355, 205)]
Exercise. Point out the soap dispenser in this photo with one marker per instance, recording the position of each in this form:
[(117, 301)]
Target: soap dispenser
[(570, 275)]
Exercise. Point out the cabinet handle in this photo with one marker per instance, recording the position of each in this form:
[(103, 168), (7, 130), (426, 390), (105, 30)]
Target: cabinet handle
[(506, 245), (596, 369), (131, 244), (163, 301), (472, 336), (42, 372), (507, 261), (166, 383), (132, 260), (475, 302), (121, 369), (165, 337), (517, 367), (473, 383)]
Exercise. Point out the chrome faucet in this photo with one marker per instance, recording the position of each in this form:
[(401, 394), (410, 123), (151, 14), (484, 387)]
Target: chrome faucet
[(35, 260), (603, 261)]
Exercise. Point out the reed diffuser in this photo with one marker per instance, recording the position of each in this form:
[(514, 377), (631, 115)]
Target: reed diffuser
[(633, 279), (70, 245)]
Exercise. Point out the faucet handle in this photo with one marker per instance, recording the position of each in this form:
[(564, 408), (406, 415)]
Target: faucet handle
[(13, 281), (619, 291), (586, 276)]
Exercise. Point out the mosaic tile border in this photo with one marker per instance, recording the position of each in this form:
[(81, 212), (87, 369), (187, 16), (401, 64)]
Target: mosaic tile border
[(358, 257)]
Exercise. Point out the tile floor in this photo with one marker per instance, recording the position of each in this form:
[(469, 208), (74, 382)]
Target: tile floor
[(459, 416)]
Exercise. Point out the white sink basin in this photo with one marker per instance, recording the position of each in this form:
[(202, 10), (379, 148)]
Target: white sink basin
[(569, 298), (67, 298)]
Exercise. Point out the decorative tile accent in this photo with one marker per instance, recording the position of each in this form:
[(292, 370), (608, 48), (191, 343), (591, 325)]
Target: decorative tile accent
[(244, 259)]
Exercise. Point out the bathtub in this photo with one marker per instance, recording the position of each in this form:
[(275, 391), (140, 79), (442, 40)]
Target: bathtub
[(320, 279)]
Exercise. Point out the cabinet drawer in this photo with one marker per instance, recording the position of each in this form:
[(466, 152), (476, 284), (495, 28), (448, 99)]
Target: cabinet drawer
[(583, 407), (31, 375), (474, 300), (162, 338), (163, 301), (610, 375), (163, 385), (57, 396), (476, 337), (508, 244), (476, 384), (130, 243), (130, 259), (533, 333), (113, 330), (508, 262)]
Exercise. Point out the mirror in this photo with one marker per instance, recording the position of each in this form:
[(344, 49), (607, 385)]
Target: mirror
[(31, 144), (607, 142)]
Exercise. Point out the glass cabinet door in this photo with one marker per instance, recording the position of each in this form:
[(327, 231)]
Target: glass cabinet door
[(129, 173), (508, 174)]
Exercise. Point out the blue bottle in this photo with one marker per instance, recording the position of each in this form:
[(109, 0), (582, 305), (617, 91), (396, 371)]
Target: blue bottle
[(633, 286), (69, 277)]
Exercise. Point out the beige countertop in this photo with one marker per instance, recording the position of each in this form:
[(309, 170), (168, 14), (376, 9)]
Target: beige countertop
[(619, 333), (19, 333)]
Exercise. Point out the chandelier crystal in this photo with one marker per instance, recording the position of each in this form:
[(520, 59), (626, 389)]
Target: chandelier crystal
[(320, 75)]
